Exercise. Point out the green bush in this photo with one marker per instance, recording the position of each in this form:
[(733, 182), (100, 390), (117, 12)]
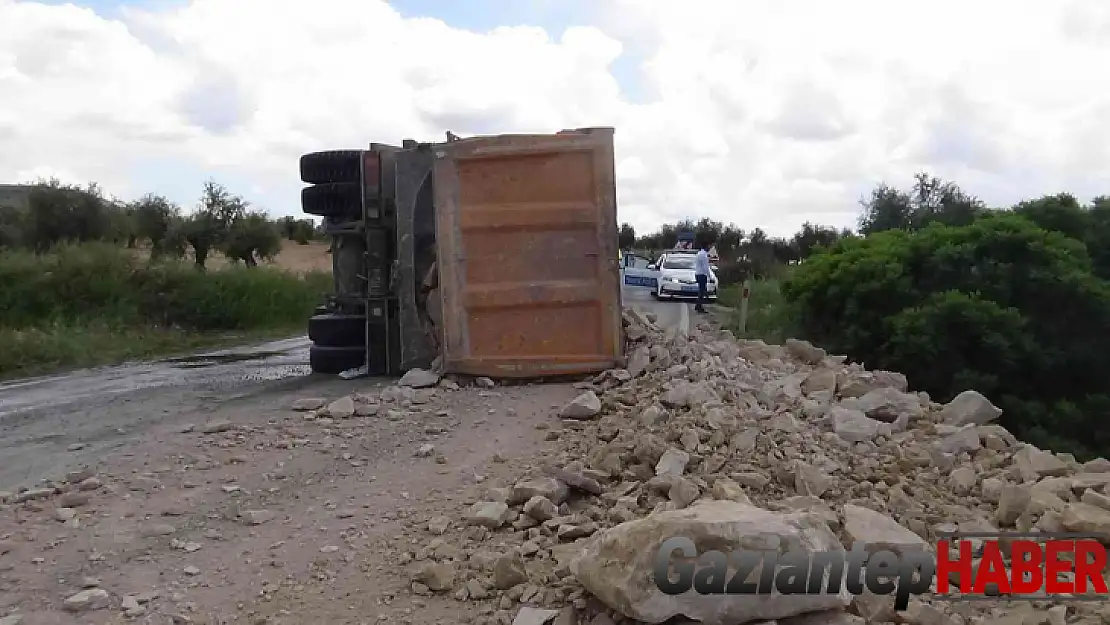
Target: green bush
[(66, 307), (1000, 305)]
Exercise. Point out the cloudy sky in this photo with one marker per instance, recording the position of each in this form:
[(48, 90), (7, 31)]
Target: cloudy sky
[(763, 113)]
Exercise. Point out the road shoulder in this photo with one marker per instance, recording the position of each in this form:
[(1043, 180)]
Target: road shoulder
[(165, 522)]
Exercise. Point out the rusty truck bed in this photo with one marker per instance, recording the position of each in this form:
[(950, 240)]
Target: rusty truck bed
[(526, 232)]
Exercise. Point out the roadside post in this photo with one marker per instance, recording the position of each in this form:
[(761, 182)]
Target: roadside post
[(744, 306)]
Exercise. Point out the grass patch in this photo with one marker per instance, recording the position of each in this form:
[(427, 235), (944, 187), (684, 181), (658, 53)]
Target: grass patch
[(770, 317), (98, 304)]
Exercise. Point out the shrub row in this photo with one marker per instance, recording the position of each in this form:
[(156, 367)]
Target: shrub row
[(97, 303), (93, 282)]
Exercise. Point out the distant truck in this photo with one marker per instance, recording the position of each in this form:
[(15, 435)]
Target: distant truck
[(687, 241), (495, 256)]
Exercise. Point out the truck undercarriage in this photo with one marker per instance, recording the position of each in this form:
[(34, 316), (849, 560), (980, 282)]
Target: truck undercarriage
[(378, 209), (526, 242)]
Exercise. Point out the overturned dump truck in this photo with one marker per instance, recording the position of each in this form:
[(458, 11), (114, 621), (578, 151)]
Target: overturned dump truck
[(489, 256)]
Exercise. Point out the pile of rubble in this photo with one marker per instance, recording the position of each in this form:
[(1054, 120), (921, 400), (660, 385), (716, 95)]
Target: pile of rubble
[(719, 439)]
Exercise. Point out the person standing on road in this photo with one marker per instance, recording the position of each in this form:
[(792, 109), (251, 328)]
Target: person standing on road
[(701, 274)]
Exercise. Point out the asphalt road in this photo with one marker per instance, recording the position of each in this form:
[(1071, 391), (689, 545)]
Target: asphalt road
[(667, 313), (51, 422), (216, 373), (204, 372)]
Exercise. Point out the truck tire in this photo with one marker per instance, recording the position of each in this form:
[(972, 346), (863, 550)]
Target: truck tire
[(331, 166), (335, 360), (338, 330), (333, 199)]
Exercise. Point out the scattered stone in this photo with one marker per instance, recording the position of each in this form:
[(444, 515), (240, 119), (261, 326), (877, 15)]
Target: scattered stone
[(576, 480), (1083, 517), (672, 462), (80, 475), (342, 408), (419, 378), (728, 490), (437, 576), (309, 403), (32, 494), (819, 381), (157, 529), (544, 487), (879, 532), (215, 427), (964, 440), (585, 406), (1012, 503), (1034, 464), (969, 408), (639, 361), (508, 571), (1097, 499), (683, 492), (853, 425), (804, 351), (425, 450), (64, 514), (74, 499), (257, 517), (541, 508), (491, 514), (535, 616), (1098, 465), (809, 480), (890, 405), (438, 525), (130, 606), (91, 599)]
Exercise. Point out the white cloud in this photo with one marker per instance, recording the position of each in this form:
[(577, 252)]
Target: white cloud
[(765, 114)]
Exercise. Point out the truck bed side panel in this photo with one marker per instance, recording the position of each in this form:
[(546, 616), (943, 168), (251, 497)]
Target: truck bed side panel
[(526, 230)]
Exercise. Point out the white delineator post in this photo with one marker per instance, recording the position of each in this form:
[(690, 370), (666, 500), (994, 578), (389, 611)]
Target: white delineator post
[(744, 307)]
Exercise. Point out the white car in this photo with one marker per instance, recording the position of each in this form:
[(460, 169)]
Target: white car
[(676, 276)]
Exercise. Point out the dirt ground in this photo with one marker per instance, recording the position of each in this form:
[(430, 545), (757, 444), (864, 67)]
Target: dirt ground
[(162, 521)]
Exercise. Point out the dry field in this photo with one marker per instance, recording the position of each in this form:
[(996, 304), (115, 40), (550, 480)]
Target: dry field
[(293, 257)]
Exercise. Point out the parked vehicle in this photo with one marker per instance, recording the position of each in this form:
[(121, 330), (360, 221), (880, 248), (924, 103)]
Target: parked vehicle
[(676, 276), (496, 255)]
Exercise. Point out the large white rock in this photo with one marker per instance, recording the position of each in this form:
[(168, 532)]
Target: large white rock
[(419, 378), (1034, 464), (854, 426), (585, 406), (969, 408), (890, 405), (879, 532), (1083, 517), (617, 565)]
